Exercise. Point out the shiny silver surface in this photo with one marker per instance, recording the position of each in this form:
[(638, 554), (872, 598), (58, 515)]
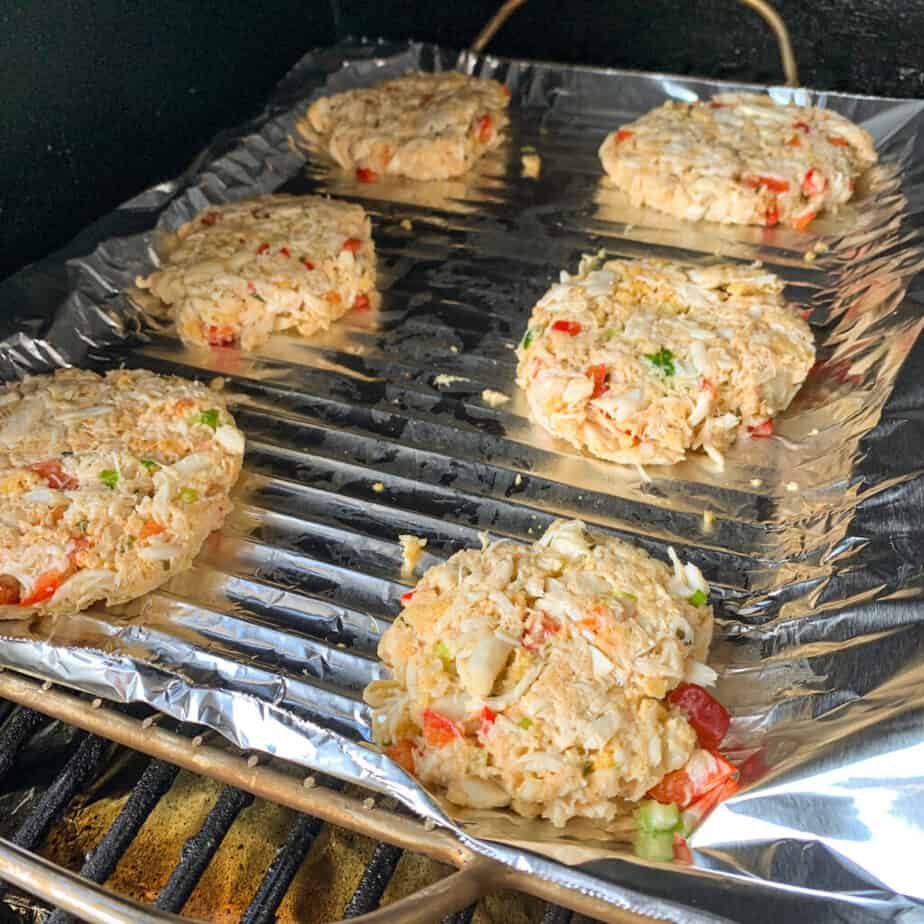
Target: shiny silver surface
[(811, 539)]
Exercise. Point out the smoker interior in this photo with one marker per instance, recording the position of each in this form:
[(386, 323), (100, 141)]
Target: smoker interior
[(181, 842)]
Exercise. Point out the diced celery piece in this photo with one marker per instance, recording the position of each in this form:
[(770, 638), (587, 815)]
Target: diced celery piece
[(654, 845), (656, 816)]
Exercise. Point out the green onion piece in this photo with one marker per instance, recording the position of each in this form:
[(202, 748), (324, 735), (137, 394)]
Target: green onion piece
[(626, 594), (653, 816), (610, 332), (442, 652), (654, 845), (189, 496), (530, 336), (150, 464), (698, 598), (109, 477), (209, 418), (526, 723), (663, 360)]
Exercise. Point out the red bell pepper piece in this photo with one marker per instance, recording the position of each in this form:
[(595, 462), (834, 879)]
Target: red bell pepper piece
[(352, 244), (773, 183), (709, 718), (598, 374), (262, 248), (762, 430), (624, 135), (801, 220), (840, 142), (803, 125), (485, 129), (534, 638), (406, 598), (402, 753), (308, 264), (814, 182), (571, 328), (54, 475), (361, 302), (704, 771), (438, 730), (219, 335), (695, 814), (772, 215), (366, 175), (44, 589), (488, 717)]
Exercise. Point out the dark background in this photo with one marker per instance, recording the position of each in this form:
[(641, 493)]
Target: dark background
[(101, 98)]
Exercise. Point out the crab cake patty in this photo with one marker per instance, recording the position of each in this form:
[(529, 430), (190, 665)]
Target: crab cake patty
[(421, 126), (237, 273), (739, 158), (108, 485), (534, 676), (641, 361)]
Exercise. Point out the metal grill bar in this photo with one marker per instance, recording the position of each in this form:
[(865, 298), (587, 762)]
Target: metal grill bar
[(555, 914), (374, 880), (157, 778), (198, 851), (279, 876), (94, 904), (15, 734), (461, 917), (52, 803)]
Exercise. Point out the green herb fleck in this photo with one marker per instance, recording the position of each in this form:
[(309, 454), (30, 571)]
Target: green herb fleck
[(209, 418), (189, 496), (698, 598), (442, 652), (526, 723), (528, 149), (531, 334), (150, 464), (109, 477), (82, 525), (663, 360), (625, 594)]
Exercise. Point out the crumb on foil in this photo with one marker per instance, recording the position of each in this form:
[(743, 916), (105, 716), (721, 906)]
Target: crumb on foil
[(494, 398), (531, 163), (411, 549), (378, 487)]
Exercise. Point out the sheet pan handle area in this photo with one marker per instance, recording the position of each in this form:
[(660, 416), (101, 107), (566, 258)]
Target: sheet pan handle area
[(764, 9)]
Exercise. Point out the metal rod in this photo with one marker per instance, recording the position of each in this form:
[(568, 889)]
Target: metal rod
[(15, 734), (282, 788), (761, 7), (85, 900)]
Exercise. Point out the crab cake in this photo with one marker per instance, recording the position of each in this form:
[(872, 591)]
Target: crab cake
[(535, 676), (422, 126), (108, 485), (237, 273), (641, 361), (739, 158)]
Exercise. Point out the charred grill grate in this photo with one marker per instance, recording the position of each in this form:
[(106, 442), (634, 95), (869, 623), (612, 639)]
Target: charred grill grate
[(88, 758)]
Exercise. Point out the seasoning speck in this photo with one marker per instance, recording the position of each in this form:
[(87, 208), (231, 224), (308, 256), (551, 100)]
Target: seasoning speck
[(756, 482), (378, 487), (406, 224), (792, 486), (809, 256)]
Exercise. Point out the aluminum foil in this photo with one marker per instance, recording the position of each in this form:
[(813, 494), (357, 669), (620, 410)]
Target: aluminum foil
[(811, 539)]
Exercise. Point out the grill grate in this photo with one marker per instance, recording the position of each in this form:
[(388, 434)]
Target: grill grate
[(85, 762)]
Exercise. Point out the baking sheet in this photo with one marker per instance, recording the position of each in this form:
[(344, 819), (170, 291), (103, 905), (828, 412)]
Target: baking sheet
[(811, 540)]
